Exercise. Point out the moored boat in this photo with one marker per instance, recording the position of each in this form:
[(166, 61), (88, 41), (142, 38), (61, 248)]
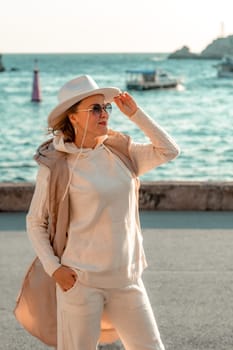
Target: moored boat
[(140, 79), (225, 67), (2, 68)]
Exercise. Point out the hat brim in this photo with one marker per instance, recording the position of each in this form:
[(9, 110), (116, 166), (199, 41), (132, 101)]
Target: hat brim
[(58, 111)]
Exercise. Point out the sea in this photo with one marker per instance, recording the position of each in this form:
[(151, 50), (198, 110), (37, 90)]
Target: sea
[(198, 114)]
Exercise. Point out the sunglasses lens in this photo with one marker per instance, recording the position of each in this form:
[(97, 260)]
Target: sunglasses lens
[(108, 108), (98, 109)]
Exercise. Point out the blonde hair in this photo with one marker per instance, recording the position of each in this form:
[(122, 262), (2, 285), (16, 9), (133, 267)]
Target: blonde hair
[(63, 125)]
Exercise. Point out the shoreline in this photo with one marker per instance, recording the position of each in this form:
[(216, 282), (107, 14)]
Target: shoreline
[(153, 196)]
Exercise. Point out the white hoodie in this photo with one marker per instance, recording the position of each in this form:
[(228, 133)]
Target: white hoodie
[(104, 243)]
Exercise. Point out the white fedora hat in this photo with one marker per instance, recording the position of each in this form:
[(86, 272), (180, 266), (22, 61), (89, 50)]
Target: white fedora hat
[(76, 90)]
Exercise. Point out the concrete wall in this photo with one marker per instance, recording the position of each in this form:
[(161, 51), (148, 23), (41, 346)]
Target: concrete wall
[(153, 196), (186, 196)]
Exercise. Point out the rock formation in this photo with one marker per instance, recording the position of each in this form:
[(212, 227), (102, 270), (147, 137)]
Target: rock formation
[(184, 52), (219, 48)]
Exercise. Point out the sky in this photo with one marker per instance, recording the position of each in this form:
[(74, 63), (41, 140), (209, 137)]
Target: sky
[(60, 26)]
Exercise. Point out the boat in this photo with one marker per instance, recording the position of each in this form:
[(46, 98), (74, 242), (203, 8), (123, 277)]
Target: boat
[(225, 67), (140, 79), (2, 68)]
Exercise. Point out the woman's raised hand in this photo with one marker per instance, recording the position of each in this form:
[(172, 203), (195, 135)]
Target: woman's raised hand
[(126, 103)]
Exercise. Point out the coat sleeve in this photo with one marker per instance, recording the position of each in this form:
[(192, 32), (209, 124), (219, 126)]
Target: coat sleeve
[(161, 148), (37, 223)]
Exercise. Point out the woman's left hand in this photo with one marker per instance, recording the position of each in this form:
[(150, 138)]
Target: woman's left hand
[(126, 103)]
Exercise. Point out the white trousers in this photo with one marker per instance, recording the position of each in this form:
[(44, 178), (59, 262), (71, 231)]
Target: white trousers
[(128, 308)]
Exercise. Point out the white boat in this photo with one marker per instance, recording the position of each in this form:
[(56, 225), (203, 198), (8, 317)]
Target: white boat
[(225, 67), (138, 79)]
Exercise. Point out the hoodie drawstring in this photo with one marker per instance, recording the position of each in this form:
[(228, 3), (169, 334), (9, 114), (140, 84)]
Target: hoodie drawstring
[(77, 157)]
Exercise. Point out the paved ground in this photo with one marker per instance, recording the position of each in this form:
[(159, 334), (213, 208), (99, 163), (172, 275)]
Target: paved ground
[(189, 279)]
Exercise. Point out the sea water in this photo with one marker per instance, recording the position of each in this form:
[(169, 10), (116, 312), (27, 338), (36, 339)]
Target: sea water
[(198, 114)]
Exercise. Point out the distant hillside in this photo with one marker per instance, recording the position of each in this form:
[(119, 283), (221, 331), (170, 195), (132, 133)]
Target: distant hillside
[(216, 50)]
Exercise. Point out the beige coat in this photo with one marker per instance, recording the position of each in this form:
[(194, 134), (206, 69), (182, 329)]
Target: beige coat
[(36, 305)]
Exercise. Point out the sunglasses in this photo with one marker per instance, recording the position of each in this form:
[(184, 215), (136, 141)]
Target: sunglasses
[(98, 109)]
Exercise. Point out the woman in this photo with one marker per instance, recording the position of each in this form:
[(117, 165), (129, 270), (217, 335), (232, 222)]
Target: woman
[(86, 200)]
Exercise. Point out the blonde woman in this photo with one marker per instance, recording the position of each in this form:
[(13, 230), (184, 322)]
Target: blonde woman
[(83, 220)]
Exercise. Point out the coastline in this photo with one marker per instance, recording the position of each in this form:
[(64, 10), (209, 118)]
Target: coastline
[(153, 196)]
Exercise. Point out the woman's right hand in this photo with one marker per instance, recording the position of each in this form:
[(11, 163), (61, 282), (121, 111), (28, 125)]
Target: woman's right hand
[(126, 104), (65, 277)]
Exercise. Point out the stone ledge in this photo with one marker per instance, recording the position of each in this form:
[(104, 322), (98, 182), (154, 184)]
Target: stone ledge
[(164, 195), (186, 196)]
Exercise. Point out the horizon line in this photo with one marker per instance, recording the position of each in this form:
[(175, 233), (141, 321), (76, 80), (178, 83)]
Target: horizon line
[(83, 52)]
